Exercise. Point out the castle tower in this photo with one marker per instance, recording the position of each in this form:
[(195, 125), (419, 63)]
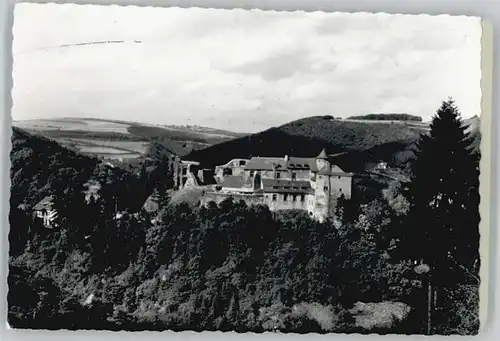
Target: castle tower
[(322, 161), (323, 187)]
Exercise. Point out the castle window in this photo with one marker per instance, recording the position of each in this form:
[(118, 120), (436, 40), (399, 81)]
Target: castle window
[(294, 176), (242, 163), (325, 188), (338, 177), (302, 198), (278, 175), (275, 187), (274, 197), (251, 173), (294, 197), (285, 197)]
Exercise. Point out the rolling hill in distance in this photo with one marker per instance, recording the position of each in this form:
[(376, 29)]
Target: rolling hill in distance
[(122, 139), (355, 142)]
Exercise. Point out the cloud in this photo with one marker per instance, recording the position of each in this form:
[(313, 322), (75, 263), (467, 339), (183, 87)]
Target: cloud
[(238, 69), (278, 66)]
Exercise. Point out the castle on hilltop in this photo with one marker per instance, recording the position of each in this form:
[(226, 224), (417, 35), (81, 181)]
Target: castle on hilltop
[(282, 183)]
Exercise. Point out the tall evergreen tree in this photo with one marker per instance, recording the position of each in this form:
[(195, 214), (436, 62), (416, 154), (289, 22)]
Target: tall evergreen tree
[(68, 199), (444, 213)]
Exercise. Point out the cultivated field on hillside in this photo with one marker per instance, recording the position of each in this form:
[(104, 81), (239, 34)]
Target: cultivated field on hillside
[(90, 125), (112, 139), (107, 149)]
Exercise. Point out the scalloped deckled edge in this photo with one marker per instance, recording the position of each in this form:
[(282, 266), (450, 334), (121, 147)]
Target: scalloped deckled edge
[(238, 6), (485, 169), (485, 147)]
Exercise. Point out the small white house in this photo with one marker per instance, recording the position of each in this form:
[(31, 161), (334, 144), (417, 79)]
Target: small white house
[(44, 210)]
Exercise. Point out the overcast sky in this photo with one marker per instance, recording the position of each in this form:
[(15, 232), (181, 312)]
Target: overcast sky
[(237, 69)]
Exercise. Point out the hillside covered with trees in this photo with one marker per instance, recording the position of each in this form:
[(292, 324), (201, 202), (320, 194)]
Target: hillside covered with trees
[(387, 117), (353, 144), (233, 267), (37, 163)]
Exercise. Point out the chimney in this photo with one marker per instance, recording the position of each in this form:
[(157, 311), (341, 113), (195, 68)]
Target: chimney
[(286, 158)]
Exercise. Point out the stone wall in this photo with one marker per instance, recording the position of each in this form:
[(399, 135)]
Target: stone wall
[(276, 201), (341, 185), (279, 202), (190, 181), (322, 197), (299, 175), (234, 167)]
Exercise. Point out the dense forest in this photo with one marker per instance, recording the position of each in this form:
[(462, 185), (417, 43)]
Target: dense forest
[(244, 268)]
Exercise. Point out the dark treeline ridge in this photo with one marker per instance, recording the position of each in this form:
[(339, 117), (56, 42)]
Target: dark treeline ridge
[(387, 117), (244, 268), (307, 137)]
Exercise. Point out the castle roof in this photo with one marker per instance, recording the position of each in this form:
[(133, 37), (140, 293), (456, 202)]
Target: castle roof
[(286, 186), (291, 163), (270, 163), (305, 163), (265, 163), (335, 171), (44, 204), (233, 161), (322, 155)]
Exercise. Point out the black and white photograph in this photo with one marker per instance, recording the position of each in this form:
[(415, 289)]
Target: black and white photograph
[(249, 171)]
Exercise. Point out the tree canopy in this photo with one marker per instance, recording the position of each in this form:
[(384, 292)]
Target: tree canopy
[(230, 266)]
